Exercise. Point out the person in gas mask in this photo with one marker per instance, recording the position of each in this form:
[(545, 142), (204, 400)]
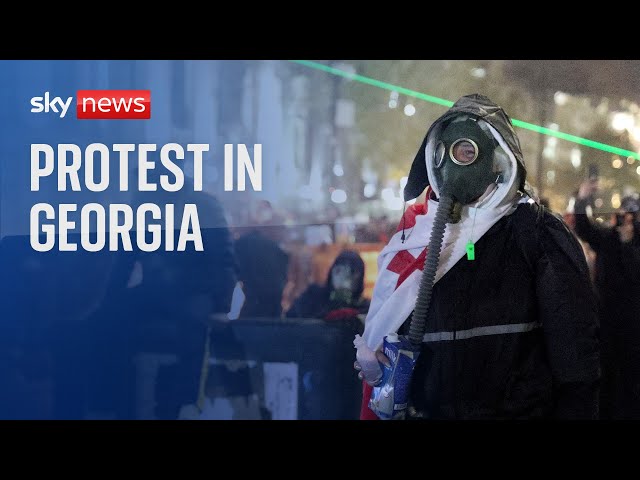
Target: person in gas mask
[(617, 281), (340, 297), (491, 288)]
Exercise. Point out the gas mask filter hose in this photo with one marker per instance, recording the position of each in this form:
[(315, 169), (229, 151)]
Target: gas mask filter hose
[(417, 327)]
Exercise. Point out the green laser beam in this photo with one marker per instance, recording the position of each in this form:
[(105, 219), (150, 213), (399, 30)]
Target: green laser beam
[(447, 103)]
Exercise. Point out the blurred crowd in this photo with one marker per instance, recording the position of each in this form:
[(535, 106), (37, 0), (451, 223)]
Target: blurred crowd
[(273, 269), (326, 282), (282, 260)]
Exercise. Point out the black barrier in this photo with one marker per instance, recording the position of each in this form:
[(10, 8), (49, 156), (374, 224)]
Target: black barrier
[(261, 369)]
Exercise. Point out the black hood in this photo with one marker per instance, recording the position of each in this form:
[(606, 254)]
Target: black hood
[(480, 107)]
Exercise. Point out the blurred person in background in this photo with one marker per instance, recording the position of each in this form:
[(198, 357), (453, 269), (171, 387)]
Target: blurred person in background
[(263, 270), (340, 297), (269, 220), (509, 330), (617, 281)]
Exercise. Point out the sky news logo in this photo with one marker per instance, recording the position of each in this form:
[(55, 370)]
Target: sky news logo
[(98, 104)]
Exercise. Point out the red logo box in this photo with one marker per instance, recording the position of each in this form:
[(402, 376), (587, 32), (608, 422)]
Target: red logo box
[(113, 104)]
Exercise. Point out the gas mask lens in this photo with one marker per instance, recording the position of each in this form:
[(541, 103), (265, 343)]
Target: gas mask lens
[(438, 154), (463, 151)]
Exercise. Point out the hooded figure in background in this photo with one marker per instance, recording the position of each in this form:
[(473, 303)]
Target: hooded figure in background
[(262, 269), (340, 298), (508, 330)]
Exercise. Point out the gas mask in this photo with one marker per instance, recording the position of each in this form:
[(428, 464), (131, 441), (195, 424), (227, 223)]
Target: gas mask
[(463, 160)]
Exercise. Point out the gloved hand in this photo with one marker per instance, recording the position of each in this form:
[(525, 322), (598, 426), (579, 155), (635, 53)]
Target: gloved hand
[(382, 358)]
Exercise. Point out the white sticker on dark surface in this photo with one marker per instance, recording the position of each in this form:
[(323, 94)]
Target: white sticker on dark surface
[(281, 390)]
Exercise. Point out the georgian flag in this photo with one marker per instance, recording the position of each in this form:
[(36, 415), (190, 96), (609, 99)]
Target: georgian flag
[(400, 265)]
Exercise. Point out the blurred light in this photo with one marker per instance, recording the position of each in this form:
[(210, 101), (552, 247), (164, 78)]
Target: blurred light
[(635, 133), (368, 175), (615, 200), (361, 217), (550, 147), (448, 103), (560, 98), (478, 72), (338, 171), (551, 177), (394, 203), (638, 170), (617, 163), (603, 107), (369, 190), (598, 203), (387, 194), (403, 182), (338, 196), (555, 127), (409, 110), (622, 121), (393, 103), (630, 160), (394, 95), (576, 157), (349, 69)]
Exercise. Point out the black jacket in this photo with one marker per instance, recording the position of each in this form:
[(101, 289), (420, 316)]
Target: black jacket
[(514, 332)]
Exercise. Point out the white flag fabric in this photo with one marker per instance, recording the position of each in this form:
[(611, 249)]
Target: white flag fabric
[(400, 263)]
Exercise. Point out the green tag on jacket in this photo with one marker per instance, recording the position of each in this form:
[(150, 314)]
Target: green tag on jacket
[(471, 251)]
